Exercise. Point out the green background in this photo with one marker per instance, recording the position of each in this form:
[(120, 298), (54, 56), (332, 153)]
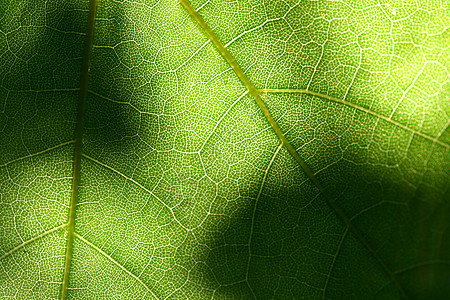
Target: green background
[(185, 191)]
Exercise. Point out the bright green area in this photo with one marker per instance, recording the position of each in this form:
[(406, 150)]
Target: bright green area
[(184, 190)]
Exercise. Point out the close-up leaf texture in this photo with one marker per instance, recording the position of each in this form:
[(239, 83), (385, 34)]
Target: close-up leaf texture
[(224, 149)]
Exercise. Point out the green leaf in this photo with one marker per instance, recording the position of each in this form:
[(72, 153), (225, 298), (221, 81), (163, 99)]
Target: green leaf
[(224, 149)]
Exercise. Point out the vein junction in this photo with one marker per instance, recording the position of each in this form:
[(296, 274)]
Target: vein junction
[(257, 96), (360, 108), (32, 240)]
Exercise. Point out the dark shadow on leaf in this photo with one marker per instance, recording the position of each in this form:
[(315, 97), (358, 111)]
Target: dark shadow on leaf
[(296, 236)]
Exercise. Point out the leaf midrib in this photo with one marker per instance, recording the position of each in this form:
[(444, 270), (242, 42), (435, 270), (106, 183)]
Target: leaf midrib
[(78, 144), (257, 96)]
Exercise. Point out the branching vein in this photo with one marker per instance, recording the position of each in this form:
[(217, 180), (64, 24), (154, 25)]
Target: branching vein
[(36, 154), (254, 213), (32, 240), (360, 108), (330, 270), (115, 262), (136, 183)]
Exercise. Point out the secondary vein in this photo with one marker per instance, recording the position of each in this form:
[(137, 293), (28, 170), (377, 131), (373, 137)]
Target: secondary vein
[(36, 153), (78, 145), (139, 185), (360, 108), (116, 263), (32, 240), (254, 214)]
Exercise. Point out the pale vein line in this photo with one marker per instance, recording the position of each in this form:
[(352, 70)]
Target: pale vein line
[(37, 153), (444, 129), (250, 30), (338, 250), (254, 213), (192, 56), (32, 240), (276, 128), (411, 86), (350, 104), (109, 99), (261, 25), (116, 263), (431, 262), (136, 183), (425, 263), (220, 120), (122, 103)]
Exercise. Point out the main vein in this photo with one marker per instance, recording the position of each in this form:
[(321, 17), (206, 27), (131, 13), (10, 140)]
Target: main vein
[(247, 83), (78, 145), (257, 96)]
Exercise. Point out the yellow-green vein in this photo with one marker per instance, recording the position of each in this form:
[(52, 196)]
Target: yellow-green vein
[(36, 154), (360, 108), (257, 96), (138, 184), (330, 270), (32, 240), (78, 145)]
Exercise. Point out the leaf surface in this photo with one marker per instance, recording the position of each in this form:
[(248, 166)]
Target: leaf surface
[(241, 149)]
